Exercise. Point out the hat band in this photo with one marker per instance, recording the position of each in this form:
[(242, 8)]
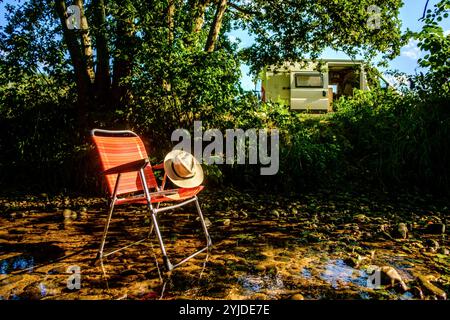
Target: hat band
[(175, 172)]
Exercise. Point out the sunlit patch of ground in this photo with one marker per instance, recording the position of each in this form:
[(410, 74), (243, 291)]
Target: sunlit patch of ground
[(265, 247)]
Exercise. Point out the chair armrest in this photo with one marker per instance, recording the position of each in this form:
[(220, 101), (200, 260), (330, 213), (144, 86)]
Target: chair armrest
[(158, 166), (127, 167)]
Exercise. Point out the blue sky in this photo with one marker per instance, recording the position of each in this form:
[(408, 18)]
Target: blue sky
[(410, 14), (406, 62)]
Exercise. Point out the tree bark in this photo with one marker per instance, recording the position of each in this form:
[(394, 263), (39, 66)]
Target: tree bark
[(125, 47), (86, 42), (216, 26), (198, 9), (102, 74), (197, 12), (81, 70), (170, 17), (170, 20)]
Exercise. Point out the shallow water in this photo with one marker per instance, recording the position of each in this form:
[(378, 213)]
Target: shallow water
[(257, 256), (338, 273), (16, 263)]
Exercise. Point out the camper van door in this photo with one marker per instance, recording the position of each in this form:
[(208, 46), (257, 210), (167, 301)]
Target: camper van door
[(309, 91)]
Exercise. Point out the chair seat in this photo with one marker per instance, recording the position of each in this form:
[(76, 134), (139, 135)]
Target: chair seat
[(181, 194)]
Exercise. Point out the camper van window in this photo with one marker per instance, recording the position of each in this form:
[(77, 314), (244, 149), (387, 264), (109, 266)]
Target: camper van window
[(308, 80)]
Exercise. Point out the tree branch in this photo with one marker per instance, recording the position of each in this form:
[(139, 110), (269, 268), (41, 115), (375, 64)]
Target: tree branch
[(102, 74), (425, 10), (216, 26), (242, 10), (86, 42)]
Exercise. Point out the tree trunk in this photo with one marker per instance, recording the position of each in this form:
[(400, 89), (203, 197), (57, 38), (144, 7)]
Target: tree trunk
[(197, 12), (81, 70), (216, 26), (170, 18), (86, 42), (102, 74), (125, 47), (198, 9)]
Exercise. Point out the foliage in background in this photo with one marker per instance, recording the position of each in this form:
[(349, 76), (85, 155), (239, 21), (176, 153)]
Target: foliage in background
[(154, 67)]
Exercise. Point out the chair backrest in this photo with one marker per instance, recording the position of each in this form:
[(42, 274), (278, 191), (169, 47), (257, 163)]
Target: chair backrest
[(120, 147)]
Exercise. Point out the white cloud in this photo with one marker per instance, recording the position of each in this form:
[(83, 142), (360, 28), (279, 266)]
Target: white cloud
[(411, 50), (233, 39)]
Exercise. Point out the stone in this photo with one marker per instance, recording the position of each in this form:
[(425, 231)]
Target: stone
[(297, 296), (32, 292), (275, 213), (430, 288), (260, 296), (360, 218), (435, 228), (208, 223), (402, 231), (67, 213), (432, 245), (260, 268), (84, 215), (271, 269), (417, 292), (353, 261), (226, 222), (390, 276)]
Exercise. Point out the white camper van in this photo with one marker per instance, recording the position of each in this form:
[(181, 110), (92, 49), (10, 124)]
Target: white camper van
[(302, 87)]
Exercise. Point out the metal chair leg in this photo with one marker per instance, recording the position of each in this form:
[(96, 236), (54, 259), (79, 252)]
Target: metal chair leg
[(208, 238), (166, 260), (105, 231), (153, 212)]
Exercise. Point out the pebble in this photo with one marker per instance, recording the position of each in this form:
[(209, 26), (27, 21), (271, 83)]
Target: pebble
[(32, 292), (417, 292), (431, 288), (275, 213), (360, 218), (208, 223), (67, 213), (390, 276), (260, 268), (297, 296), (432, 245), (435, 228), (272, 269), (402, 230)]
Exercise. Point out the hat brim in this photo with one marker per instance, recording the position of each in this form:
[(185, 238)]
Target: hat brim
[(191, 182)]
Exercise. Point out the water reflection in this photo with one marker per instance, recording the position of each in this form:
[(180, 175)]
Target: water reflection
[(21, 262), (337, 273), (254, 284)]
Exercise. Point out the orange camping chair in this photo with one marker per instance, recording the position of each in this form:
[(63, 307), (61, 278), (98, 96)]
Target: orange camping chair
[(129, 175)]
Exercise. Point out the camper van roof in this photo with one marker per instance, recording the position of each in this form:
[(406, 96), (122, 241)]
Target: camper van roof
[(340, 60)]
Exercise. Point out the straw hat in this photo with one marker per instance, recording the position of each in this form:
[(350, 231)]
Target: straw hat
[(183, 169)]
